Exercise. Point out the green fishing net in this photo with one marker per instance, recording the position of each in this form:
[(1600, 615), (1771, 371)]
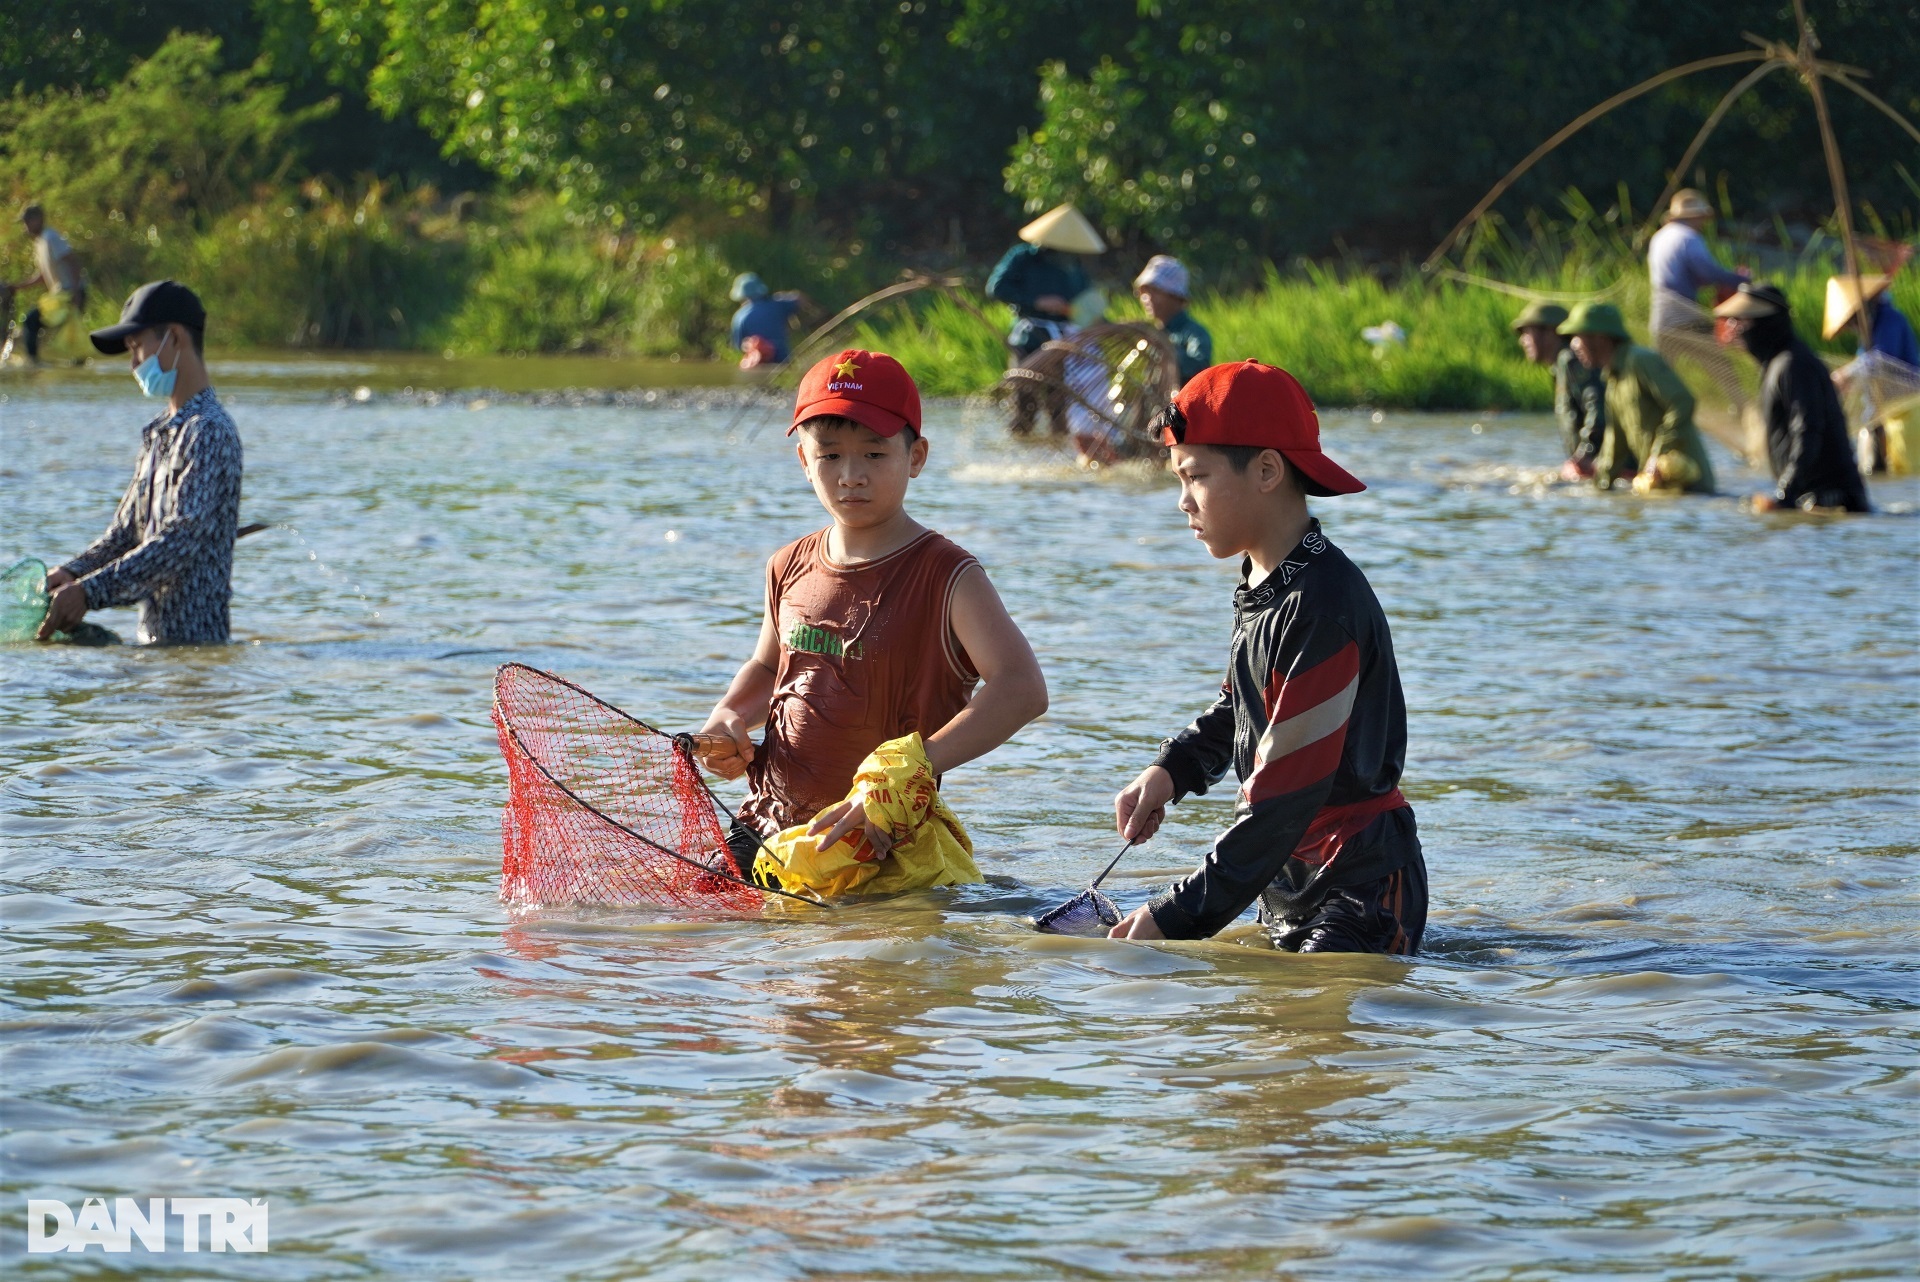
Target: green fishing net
[(23, 600)]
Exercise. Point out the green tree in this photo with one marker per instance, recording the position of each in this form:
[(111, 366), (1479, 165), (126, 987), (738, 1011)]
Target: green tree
[(642, 111), (177, 139), (1377, 124)]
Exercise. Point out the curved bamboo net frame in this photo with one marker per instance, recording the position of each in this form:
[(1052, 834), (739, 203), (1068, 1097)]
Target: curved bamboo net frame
[(1771, 56)]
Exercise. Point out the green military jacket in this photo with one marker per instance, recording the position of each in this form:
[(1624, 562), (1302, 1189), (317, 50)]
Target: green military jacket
[(1650, 414), (1580, 403)]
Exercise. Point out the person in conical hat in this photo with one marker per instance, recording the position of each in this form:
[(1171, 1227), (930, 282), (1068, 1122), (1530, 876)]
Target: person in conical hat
[(1892, 332), (1883, 436), (1039, 278), (1064, 228)]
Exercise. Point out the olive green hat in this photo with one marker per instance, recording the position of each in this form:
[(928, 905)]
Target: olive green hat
[(1596, 318), (1540, 313)]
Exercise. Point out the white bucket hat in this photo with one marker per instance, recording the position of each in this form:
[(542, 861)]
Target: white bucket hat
[(1164, 271)]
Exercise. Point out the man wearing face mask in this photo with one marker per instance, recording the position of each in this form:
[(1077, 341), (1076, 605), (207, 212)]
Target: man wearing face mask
[(1807, 441), (170, 547)]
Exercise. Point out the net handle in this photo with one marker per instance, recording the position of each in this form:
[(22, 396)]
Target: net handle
[(680, 746)]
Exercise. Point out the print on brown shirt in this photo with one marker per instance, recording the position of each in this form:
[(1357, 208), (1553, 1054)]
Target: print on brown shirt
[(867, 654)]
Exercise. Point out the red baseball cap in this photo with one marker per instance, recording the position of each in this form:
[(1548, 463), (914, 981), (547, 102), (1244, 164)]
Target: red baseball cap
[(871, 388), (1248, 403)]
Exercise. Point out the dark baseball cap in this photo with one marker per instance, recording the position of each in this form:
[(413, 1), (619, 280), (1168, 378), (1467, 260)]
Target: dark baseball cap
[(160, 302)]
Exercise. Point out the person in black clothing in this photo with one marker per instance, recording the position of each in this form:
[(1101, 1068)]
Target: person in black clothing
[(1310, 717), (1807, 440)]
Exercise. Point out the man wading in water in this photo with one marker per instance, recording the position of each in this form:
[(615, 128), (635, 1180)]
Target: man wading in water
[(1579, 393), (1807, 445), (1649, 433), (1310, 717), (170, 547)]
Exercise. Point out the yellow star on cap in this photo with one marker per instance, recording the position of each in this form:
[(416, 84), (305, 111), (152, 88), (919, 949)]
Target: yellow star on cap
[(846, 368)]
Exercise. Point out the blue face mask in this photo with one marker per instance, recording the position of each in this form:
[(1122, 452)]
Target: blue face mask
[(153, 380)]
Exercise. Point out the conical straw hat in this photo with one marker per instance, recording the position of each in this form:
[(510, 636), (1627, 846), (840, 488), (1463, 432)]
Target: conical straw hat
[(1064, 228), (1843, 301)]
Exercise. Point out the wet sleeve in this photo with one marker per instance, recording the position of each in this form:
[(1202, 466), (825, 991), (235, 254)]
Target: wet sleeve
[(1797, 472), (1009, 280), (212, 472), (1705, 268), (119, 538), (1198, 756), (1593, 427), (1579, 402), (1676, 402), (1566, 408), (1309, 697)]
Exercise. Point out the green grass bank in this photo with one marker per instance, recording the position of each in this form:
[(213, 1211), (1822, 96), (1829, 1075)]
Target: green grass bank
[(1459, 353), (315, 267)]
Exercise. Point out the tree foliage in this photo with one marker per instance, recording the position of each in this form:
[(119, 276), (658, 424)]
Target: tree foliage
[(1288, 126), (176, 138), (1237, 130), (644, 110)]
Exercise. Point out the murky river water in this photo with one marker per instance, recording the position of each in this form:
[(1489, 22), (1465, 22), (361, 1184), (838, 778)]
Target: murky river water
[(1663, 756)]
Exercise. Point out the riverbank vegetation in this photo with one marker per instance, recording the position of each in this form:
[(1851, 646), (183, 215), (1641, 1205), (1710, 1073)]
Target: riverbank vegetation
[(574, 177)]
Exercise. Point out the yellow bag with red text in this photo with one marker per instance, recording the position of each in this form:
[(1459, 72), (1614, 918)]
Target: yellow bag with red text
[(896, 789)]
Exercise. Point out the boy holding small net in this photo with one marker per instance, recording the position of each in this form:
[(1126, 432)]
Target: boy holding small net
[(875, 628), (1310, 718)]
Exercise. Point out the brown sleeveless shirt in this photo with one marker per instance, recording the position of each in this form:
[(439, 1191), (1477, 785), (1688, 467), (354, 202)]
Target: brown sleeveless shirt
[(867, 654)]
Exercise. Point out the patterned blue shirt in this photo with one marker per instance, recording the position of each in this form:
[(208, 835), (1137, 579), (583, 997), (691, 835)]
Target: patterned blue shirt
[(170, 547)]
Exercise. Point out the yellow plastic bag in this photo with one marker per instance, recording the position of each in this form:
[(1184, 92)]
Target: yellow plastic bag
[(64, 336), (895, 787)]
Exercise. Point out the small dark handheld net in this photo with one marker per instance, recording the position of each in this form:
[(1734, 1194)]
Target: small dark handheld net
[(603, 809)]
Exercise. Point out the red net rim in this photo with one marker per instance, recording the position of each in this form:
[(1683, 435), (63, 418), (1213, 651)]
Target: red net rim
[(680, 744)]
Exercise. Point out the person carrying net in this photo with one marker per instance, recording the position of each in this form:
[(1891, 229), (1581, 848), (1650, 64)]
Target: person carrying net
[(875, 628), (57, 269), (1680, 264), (169, 548)]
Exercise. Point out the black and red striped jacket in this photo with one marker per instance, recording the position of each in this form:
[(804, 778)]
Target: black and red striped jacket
[(1312, 720)]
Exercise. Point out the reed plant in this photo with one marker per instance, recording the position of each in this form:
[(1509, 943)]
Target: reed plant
[(326, 268)]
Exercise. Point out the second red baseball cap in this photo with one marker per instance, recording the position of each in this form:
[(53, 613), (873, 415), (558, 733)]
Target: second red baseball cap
[(1248, 403), (871, 388)]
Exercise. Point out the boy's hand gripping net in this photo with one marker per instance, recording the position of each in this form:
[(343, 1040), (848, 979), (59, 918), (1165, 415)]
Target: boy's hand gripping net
[(603, 809)]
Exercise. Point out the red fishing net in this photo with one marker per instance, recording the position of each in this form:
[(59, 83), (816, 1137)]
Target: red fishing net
[(601, 808)]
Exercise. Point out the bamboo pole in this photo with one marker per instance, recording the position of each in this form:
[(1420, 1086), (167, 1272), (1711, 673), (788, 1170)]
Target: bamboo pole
[(1578, 123), (1836, 172), (1841, 78), (1733, 95)]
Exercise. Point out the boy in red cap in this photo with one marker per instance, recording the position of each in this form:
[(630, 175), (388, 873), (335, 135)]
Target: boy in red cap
[(875, 627), (1310, 717)]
